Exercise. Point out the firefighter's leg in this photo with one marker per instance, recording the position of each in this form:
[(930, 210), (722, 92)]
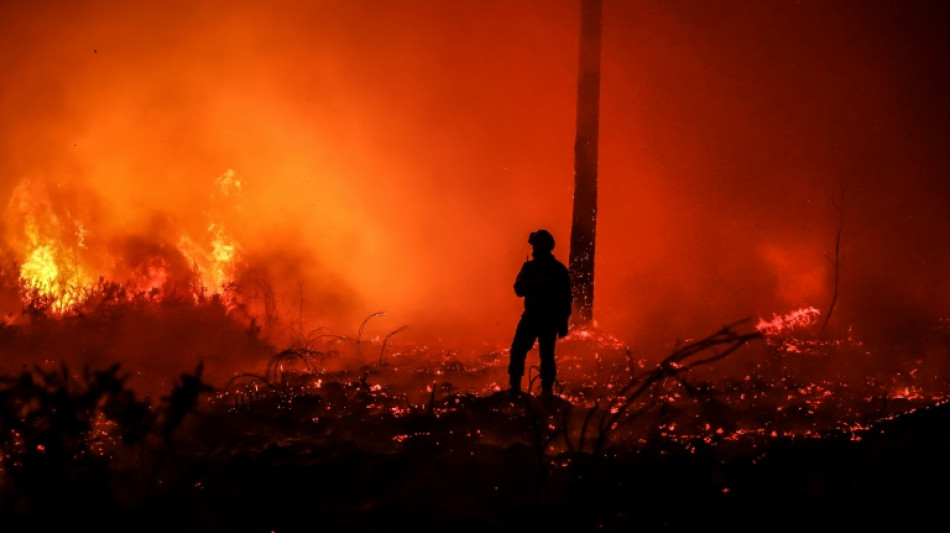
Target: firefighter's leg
[(522, 343), (547, 337)]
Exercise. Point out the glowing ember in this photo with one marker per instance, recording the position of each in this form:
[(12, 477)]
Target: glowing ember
[(796, 319)]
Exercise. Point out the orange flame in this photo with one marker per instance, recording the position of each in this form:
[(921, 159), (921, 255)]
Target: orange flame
[(50, 269), (60, 267), (215, 269)]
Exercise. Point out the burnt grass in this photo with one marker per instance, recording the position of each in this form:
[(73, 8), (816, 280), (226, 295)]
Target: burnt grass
[(325, 439)]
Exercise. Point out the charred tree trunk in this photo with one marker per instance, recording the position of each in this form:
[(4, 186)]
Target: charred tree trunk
[(584, 222)]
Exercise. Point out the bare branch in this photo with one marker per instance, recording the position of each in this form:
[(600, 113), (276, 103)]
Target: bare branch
[(386, 340)]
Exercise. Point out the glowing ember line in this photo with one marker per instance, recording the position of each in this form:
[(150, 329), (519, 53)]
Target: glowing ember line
[(799, 318)]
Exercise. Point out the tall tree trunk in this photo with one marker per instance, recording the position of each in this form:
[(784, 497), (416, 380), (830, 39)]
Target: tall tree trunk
[(584, 223)]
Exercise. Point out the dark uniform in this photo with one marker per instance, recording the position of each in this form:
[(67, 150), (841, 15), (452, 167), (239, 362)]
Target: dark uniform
[(545, 284)]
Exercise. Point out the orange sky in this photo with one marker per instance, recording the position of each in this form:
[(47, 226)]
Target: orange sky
[(394, 155)]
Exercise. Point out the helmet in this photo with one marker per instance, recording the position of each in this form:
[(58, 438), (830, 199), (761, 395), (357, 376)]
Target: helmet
[(541, 239)]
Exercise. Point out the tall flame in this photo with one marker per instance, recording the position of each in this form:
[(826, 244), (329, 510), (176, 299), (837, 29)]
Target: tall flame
[(214, 270), (50, 270)]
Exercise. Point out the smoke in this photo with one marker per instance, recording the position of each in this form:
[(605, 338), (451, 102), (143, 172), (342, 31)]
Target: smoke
[(393, 156)]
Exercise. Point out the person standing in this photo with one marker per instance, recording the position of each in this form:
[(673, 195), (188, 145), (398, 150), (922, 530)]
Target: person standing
[(545, 284)]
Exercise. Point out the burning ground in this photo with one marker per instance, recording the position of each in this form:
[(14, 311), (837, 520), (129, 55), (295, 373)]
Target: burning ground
[(761, 420)]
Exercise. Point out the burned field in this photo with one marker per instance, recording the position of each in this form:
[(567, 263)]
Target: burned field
[(755, 424)]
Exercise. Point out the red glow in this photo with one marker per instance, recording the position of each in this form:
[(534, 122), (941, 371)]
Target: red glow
[(314, 163)]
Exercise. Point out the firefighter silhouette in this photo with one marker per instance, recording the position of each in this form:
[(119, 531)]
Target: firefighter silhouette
[(545, 284)]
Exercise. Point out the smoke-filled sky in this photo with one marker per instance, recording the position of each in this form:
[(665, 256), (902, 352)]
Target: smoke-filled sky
[(394, 155)]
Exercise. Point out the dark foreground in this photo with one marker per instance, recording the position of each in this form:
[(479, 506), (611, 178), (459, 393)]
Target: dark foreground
[(784, 434), (351, 459)]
